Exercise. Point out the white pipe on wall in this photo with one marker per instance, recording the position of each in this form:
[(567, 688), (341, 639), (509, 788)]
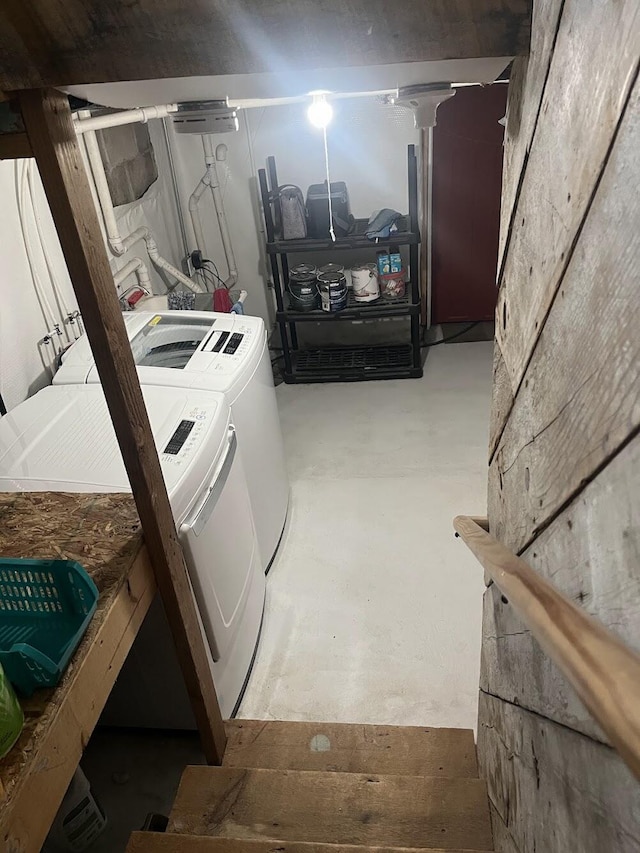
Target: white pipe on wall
[(194, 212), (67, 315), (256, 204), (85, 122), (21, 188), (164, 264), (214, 184), (137, 266)]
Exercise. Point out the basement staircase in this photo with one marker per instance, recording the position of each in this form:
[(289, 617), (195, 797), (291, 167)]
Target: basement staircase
[(330, 788)]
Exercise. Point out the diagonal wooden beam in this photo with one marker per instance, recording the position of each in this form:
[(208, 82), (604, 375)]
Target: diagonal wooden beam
[(48, 123)]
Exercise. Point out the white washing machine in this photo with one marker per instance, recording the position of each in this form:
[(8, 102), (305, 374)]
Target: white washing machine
[(62, 439), (213, 352)]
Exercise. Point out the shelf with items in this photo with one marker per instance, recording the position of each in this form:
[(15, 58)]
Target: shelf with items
[(356, 239), (344, 363), (381, 307)]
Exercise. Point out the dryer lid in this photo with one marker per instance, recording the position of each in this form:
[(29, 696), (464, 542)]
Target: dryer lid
[(62, 439)]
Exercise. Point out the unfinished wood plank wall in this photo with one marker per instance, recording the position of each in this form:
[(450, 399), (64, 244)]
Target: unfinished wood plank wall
[(564, 475)]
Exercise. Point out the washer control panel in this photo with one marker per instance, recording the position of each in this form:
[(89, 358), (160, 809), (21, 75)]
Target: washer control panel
[(234, 342), (222, 339), (233, 350), (177, 440), (187, 436)]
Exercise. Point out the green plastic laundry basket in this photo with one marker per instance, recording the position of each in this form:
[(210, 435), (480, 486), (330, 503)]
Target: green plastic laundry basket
[(45, 607)]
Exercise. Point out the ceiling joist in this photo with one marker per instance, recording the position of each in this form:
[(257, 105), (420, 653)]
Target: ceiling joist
[(66, 42)]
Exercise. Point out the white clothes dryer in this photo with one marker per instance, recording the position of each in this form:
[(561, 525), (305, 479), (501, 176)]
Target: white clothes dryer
[(62, 439)]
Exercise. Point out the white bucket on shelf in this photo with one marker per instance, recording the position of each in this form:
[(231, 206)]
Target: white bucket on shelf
[(366, 287)]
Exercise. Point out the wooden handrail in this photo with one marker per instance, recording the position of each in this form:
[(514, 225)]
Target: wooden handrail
[(604, 672)]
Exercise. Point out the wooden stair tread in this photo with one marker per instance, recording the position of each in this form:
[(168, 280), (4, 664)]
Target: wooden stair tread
[(169, 842), (351, 748), (331, 807)]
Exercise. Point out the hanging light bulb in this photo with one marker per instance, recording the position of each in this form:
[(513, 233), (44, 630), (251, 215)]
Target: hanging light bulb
[(320, 111)]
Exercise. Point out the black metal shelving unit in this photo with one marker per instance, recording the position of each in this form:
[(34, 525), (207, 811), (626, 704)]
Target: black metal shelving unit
[(345, 363)]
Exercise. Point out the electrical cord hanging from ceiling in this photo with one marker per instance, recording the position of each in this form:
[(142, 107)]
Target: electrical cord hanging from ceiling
[(326, 163), (451, 337)]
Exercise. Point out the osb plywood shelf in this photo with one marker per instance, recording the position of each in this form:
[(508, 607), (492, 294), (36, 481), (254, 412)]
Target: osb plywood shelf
[(102, 532)]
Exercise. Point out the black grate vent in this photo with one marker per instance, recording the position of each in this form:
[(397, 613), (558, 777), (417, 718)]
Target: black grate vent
[(353, 358)]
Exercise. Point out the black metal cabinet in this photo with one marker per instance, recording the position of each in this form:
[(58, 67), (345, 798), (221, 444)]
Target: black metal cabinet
[(350, 363)]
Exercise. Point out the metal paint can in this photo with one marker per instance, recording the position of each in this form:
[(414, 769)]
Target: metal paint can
[(366, 287), (303, 288), (333, 291), (327, 268)]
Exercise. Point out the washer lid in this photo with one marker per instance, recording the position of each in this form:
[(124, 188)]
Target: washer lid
[(195, 349), (62, 439)]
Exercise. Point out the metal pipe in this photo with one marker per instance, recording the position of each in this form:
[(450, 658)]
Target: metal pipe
[(176, 188), (429, 223)]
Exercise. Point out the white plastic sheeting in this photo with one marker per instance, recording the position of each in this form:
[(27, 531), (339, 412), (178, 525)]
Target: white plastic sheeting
[(155, 210), (25, 363)]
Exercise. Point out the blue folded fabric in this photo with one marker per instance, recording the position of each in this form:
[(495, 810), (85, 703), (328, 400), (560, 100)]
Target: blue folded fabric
[(382, 223)]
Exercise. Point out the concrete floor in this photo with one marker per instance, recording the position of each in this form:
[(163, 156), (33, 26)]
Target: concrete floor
[(373, 609)]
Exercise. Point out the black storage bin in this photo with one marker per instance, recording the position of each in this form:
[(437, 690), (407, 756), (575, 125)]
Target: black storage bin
[(318, 210)]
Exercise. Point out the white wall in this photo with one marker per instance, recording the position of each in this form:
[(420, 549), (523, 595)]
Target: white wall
[(25, 363), (367, 148), (240, 201)]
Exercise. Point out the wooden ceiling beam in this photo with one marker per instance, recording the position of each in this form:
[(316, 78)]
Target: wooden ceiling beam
[(66, 42)]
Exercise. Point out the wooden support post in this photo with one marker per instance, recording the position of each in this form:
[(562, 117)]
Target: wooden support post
[(53, 140)]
